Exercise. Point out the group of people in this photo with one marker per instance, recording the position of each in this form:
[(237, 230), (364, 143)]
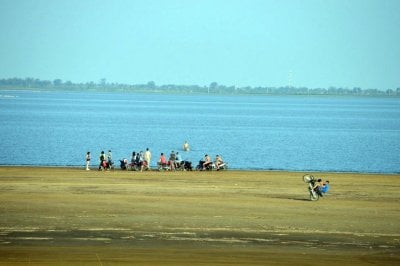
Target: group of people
[(142, 161), (106, 161), (174, 161), (139, 161), (207, 163)]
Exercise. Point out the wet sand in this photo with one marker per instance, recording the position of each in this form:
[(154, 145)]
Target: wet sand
[(64, 216)]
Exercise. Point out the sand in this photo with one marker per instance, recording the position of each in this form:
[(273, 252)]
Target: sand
[(67, 216)]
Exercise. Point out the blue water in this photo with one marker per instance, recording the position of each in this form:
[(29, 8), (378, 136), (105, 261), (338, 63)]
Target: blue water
[(296, 133)]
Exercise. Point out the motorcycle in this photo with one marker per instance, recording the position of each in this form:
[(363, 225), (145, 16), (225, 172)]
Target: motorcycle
[(314, 194)]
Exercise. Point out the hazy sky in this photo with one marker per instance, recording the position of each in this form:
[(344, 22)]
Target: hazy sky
[(313, 43)]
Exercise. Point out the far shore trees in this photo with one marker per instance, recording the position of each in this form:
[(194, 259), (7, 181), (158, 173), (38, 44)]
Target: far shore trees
[(212, 88)]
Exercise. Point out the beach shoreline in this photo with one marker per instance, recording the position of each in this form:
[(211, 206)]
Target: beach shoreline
[(56, 215), (117, 168)]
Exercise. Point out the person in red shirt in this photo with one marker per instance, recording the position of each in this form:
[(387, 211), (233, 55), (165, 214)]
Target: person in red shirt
[(162, 162)]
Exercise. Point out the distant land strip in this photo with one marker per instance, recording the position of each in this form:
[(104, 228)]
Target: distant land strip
[(214, 88)]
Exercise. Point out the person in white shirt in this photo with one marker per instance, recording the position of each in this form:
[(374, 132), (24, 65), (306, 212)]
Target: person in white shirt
[(186, 146), (147, 157), (207, 162), (87, 161), (109, 159)]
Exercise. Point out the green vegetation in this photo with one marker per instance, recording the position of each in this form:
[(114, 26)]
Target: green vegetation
[(213, 88)]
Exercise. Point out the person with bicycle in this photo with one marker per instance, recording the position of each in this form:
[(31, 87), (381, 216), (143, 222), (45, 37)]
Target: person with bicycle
[(321, 187)]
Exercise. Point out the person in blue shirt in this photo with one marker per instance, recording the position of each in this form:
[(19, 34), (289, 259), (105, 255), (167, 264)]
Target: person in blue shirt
[(321, 187), (325, 187), (178, 160)]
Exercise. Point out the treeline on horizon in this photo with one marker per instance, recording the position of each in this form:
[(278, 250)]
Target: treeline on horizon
[(213, 88)]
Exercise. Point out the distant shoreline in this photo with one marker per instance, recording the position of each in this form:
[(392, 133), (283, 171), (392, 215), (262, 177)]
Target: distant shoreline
[(226, 91), (117, 169)]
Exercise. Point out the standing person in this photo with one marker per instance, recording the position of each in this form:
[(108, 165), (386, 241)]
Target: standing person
[(139, 158), (102, 159), (186, 146), (109, 159), (87, 161), (133, 158), (147, 157), (172, 160)]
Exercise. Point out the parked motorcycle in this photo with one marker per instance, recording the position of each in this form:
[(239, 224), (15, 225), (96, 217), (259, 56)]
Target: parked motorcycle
[(310, 180)]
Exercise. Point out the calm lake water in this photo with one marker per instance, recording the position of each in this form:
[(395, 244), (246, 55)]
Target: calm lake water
[(250, 132)]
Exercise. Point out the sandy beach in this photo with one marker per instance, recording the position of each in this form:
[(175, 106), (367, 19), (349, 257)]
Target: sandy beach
[(66, 216)]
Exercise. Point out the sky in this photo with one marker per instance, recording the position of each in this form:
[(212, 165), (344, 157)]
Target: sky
[(310, 43)]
